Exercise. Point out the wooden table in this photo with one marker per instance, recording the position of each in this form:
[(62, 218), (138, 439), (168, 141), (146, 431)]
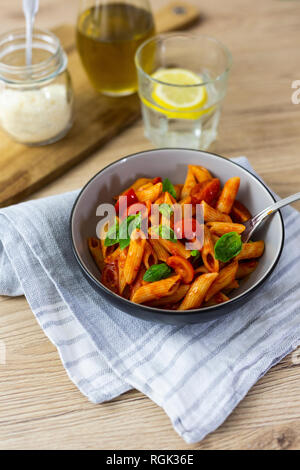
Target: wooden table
[(39, 406)]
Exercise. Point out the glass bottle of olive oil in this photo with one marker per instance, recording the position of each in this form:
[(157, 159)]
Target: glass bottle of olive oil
[(108, 35)]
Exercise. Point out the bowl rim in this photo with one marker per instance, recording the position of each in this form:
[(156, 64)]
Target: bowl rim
[(167, 312)]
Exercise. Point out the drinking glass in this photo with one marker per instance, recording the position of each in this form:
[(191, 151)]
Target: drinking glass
[(194, 125), (108, 35)]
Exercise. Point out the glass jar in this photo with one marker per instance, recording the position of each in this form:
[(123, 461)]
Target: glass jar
[(36, 101), (108, 35)]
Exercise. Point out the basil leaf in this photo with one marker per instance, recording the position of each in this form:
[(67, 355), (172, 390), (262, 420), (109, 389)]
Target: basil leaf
[(112, 236), (157, 272), (196, 256), (195, 253), (169, 188), (165, 209), (127, 227), (167, 233), (228, 246)]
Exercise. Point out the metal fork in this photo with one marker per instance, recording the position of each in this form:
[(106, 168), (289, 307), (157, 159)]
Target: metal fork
[(253, 223)]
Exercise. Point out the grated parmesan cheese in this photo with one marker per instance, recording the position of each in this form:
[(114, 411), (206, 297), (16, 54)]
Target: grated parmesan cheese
[(35, 116)]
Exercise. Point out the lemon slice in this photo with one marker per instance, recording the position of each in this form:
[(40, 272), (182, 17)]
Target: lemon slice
[(178, 101), (181, 97)]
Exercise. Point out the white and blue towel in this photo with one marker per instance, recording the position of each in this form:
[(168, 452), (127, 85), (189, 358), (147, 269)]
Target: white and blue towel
[(196, 373)]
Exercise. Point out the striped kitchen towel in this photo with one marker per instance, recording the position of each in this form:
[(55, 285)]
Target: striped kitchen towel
[(197, 373)]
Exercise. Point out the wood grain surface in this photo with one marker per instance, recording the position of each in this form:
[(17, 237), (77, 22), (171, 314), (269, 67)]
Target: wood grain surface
[(97, 119), (39, 406)]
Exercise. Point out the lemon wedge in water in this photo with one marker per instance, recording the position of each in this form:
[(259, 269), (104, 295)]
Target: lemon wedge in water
[(178, 101)]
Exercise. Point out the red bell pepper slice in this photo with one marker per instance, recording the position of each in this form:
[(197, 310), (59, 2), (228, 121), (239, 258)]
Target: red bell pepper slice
[(156, 180), (207, 191), (182, 267), (131, 199), (110, 277), (187, 228)]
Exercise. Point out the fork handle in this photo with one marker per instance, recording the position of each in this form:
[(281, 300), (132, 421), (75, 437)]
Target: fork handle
[(277, 205)]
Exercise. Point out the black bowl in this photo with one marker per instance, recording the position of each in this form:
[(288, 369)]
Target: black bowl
[(172, 163)]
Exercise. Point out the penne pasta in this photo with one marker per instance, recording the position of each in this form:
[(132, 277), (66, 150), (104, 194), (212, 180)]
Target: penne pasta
[(134, 256), (138, 282), (155, 290), (147, 185), (136, 185), (127, 292), (175, 248), (228, 195), (178, 189), (185, 200), (169, 199), (190, 182), (220, 228), (208, 253), (161, 253), (121, 267), (239, 213), (168, 221), (201, 173), (197, 291), (149, 256), (245, 268), (214, 237), (160, 199), (217, 299), (96, 251), (148, 207), (150, 193), (213, 215), (225, 277), (171, 299), (233, 285), (183, 203), (102, 237), (168, 247), (113, 256), (201, 270), (251, 250)]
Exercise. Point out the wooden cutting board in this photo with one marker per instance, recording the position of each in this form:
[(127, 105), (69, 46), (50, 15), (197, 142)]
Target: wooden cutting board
[(24, 169)]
